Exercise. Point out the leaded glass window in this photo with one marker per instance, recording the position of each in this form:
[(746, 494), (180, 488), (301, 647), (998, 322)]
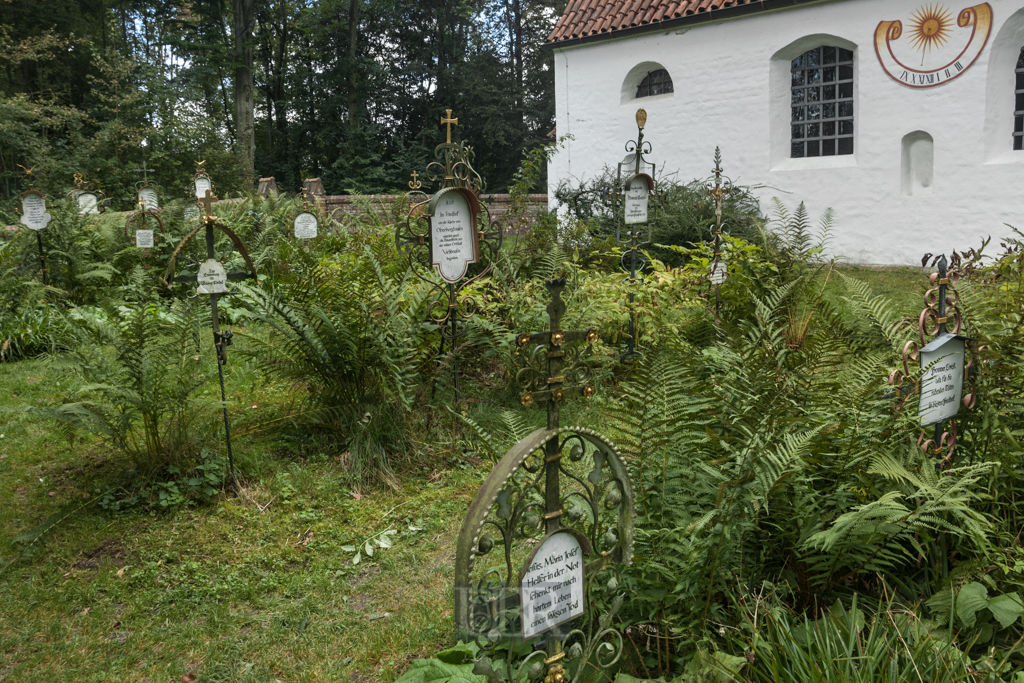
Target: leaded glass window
[(655, 83), (822, 103), (1018, 107)]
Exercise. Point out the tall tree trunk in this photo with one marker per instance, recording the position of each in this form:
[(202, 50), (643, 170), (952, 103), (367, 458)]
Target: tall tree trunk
[(353, 40), (245, 129)]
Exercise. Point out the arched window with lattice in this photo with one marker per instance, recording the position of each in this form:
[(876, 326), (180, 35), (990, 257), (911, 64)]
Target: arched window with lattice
[(1018, 107), (821, 85), (655, 83)]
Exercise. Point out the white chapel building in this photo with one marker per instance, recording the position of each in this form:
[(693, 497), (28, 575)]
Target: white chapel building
[(906, 117)]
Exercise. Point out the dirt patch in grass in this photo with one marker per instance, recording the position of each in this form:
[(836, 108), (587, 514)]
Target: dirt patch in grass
[(108, 552)]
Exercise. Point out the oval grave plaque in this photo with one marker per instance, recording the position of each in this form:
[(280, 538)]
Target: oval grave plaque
[(148, 197), (87, 203), (452, 236), (718, 273), (33, 211), (212, 278), (306, 225), (552, 584), (203, 184), (636, 201)]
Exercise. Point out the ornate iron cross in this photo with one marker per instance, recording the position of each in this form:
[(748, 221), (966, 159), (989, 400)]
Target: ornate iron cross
[(220, 340), (452, 168), (555, 483), (718, 188), (145, 172)]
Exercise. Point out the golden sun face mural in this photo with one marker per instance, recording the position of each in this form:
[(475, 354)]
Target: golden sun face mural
[(933, 48), (930, 27)]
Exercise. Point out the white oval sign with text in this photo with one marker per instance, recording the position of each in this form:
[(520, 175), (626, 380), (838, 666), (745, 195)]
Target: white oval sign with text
[(212, 278), (551, 589), (636, 202), (202, 185), (33, 211), (305, 226), (87, 203), (452, 236)]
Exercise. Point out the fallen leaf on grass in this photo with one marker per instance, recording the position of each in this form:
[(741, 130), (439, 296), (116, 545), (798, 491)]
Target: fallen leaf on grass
[(379, 615), (120, 572), (188, 678)]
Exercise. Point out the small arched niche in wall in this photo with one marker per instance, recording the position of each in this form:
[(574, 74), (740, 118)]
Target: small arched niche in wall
[(918, 163), (646, 80)]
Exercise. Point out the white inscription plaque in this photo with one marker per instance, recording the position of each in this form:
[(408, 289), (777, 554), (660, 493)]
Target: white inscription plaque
[(452, 236), (718, 273), (212, 278), (202, 185), (87, 203), (33, 212), (305, 226), (144, 239), (636, 201), (552, 586), (942, 384), (148, 197)]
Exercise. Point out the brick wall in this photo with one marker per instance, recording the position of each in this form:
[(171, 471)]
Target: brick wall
[(355, 205)]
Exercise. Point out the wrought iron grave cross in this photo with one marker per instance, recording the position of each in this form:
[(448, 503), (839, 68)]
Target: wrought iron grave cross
[(212, 280), (545, 539), (718, 189), (634, 189)]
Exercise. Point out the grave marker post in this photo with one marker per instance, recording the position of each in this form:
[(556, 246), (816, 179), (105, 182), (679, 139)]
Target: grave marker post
[(146, 192), (35, 217), (144, 238), (305, 224), (443, 236), (557, 512), (87, 200), (943, 363), (212, 279), (634, 189), (718, 188)]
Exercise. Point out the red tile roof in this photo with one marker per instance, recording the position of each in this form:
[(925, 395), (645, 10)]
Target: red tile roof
[(596, 19)]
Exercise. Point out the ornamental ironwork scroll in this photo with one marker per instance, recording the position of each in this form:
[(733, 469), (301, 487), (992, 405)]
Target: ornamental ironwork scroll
[(445, 233), (212, 279), (634, 189), (718, 188), (945, 369), (540, 553)]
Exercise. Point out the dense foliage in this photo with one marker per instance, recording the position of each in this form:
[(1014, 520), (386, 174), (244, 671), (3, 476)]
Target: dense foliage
[(347, 90), (789, 527)]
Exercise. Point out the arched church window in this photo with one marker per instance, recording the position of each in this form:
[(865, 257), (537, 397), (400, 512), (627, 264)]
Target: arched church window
[(822, 103), (655, 83), (1018, 107)]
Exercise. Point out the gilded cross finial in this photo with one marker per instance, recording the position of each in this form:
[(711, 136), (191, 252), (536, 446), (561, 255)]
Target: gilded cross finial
[(29, 174), (415, 183), (449, 121), (199, 166), (208, 206)]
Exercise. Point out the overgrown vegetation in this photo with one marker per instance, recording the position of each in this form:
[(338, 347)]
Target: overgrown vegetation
[(789, 527)]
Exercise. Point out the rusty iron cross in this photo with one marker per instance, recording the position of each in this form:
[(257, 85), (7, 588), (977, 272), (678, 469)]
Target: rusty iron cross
[(449, 121), (207, 202)]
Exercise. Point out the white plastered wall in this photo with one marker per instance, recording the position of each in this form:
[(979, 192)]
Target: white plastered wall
[(731, 82)]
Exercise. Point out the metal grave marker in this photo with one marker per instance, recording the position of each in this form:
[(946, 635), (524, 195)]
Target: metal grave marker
[(202, 184), (719, 187), (547, 535), (634, 189), (305, 226), (718, 273), (86, 200), (443, 235), (147, 195), (34, 215), (211, 280), (943, 363), (452, 235), (942, 381), (144, 239), (552, 586), (636, 201)]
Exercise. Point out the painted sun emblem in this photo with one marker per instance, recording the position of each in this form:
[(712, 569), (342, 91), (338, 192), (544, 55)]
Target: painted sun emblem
[(930, 27)]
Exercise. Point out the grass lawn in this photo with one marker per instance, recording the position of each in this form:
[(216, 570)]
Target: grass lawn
[(254, 588)]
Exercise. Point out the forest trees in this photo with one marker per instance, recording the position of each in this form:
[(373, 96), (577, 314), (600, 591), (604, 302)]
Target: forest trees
[(348, 90)]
